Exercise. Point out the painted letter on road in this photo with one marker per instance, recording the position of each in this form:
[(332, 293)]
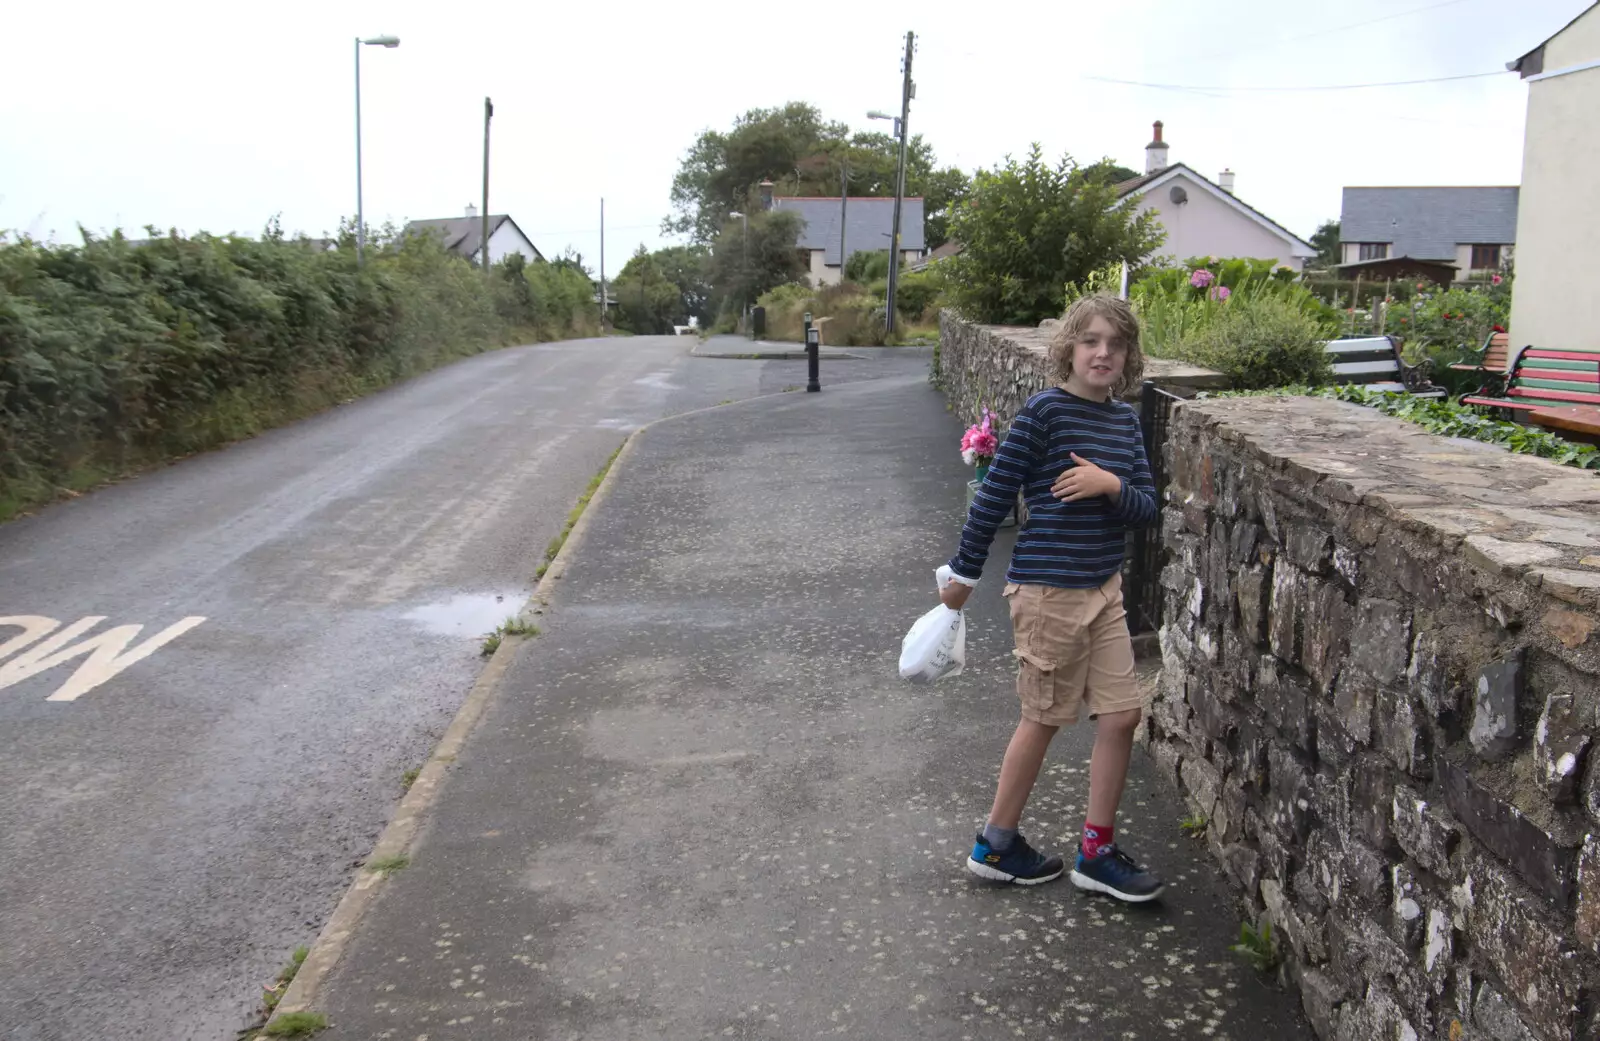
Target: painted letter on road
[(108, 652)]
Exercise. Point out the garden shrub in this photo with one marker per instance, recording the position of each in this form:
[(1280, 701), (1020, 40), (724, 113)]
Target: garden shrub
[(1259, 341)]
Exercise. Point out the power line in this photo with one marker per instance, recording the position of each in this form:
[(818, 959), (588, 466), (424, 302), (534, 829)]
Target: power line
[(1339, 86)]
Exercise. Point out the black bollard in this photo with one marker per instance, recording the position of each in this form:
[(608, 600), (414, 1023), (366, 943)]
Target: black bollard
[(812, 383)]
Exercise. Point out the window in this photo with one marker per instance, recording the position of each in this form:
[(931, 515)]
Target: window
[(1485, 258), (1374, 251)]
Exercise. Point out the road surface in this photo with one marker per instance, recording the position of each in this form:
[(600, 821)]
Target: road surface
[(310, 607)]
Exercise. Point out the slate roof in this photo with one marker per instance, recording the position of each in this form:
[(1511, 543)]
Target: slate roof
[(868, 223), (464, 235), (1428, 223)]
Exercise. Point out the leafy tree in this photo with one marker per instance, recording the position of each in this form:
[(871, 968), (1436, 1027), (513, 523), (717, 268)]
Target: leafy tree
[(746, 264), (1326, 240), (688, 268), (647, 301), (1030, 228), (802, 154), (1111, 173)]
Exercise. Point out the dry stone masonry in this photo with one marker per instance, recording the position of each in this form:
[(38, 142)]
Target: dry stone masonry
[(1002, 366), (1380, 687)]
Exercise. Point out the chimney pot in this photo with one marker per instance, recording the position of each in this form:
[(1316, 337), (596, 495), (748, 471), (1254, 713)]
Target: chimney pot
[(1225, 181), (1155, 153), (766, 195), (472, 211)]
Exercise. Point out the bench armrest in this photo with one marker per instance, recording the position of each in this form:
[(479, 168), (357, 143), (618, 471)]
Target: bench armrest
[(1416, 377)]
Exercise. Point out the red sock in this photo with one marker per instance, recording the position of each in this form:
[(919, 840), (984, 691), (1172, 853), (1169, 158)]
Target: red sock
[(1095, 838)]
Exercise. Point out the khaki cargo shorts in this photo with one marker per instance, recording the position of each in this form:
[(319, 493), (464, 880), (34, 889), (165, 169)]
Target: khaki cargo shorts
[(1075, 651)]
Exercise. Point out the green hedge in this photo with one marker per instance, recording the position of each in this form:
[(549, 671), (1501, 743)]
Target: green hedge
[(114, 356)]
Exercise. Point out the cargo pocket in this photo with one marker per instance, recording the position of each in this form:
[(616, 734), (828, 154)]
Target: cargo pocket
[(1036, 684)]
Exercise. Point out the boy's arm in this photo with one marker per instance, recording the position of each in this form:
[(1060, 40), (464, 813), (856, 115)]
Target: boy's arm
[(1014, 462), (1136, 505)]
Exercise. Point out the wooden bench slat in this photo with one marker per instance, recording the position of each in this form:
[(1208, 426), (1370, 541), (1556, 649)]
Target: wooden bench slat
[(1589, 356), (1556, 395), (1557, 363), (1567, 385)]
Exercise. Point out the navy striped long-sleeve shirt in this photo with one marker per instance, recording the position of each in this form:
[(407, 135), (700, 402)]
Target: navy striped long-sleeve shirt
[(1073, 544)]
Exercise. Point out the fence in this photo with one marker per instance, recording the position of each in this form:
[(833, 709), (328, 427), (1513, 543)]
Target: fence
[(1142, 574)]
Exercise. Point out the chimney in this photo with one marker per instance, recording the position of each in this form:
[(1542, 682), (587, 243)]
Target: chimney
[(1225, 181), (766, 195), (472, 211), (1155, 153)]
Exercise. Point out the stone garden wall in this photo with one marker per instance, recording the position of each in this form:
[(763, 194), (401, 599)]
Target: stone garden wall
[(1002, 366), (1380, 684)]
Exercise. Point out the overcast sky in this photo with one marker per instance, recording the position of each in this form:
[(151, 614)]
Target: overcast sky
[(215, 116)]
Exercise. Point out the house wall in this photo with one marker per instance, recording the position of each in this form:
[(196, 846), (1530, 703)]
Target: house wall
[(1558, 212), (822, 274), (1207, 226), (507, 240)]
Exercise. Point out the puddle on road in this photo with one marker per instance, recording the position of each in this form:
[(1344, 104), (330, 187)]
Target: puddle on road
[(467, 614)]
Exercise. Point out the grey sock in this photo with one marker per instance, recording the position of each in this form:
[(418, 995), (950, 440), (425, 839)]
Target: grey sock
[(999, 839)]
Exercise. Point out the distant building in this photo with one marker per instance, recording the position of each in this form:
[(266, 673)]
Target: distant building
[(1472, 230), (1558, 216), (464, 236), (869, 224), (1203, 218)]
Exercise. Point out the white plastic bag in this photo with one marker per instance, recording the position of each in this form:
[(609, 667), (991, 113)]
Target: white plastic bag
[(936, 646)]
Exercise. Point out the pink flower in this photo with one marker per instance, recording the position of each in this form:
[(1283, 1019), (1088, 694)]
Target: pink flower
[(1221, 293), (1496, 280), (1201, 278), (980, 442)]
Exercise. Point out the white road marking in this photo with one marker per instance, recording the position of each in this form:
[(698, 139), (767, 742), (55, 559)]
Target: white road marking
[(109, 652)]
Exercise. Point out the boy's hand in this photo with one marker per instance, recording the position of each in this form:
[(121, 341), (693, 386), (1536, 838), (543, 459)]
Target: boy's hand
[(954, 595), (1085, 481)]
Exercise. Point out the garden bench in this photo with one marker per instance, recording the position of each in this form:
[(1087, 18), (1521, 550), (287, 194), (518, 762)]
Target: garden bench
[(1541, 379), (1492, 366), (1375, 362)]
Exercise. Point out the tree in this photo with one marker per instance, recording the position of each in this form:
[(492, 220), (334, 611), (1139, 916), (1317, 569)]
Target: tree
[(647, 301), (1326, 240), (688, 268), (802, 154), (1029, 229), (1111, 173), (738, 274)]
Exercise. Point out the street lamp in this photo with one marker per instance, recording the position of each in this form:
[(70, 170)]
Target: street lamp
[(361, 224), (745, 257), (875, 114)]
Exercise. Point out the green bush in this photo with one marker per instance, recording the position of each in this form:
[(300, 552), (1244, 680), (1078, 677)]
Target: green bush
[(918, 291), (867, 265), (1029, 228), (1174, 313), (1260, 341), (114, 356)]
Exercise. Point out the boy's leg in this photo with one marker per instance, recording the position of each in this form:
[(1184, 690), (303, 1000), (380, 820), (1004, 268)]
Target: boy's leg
[(1018, 772), (1115, 702)]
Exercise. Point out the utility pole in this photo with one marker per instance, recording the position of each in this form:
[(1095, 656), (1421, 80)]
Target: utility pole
[(488, 114), (908, 90), (844, 201), (602, 264)]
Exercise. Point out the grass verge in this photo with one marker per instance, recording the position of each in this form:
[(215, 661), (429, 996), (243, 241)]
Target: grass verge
[(388, 865), (560, 540), (296, 1024), (512, 626)]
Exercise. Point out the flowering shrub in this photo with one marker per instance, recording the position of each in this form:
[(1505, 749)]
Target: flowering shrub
[(1201, 278)]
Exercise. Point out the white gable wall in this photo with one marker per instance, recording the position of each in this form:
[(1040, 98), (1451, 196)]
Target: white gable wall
[(506, 240), (1206, 226), (1558, 212)]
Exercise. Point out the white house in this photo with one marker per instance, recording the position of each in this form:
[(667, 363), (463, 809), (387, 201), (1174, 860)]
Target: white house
[(1558, 214), (464, 235), (868, 223), (1204, 218)]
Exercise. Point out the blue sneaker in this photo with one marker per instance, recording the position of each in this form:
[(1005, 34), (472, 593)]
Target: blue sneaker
[(1114, 873), (1019, 863)]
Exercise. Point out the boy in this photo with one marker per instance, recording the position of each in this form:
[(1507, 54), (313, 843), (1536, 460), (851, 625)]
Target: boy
[(1065, 589)]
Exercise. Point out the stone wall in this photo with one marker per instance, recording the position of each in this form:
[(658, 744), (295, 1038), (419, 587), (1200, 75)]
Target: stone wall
[(1379, 687), (1002, 366)]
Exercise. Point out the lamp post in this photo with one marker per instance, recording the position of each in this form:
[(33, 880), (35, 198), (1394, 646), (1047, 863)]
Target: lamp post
[(744, 260), (361, 223)]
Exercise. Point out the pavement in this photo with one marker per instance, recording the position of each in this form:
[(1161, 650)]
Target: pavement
[(702, 805), (169, 836)]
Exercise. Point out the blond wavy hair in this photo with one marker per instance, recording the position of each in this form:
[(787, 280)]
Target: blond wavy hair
[(1076, 322)]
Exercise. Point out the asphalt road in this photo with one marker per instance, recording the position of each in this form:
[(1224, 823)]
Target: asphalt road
[(171, 833)]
